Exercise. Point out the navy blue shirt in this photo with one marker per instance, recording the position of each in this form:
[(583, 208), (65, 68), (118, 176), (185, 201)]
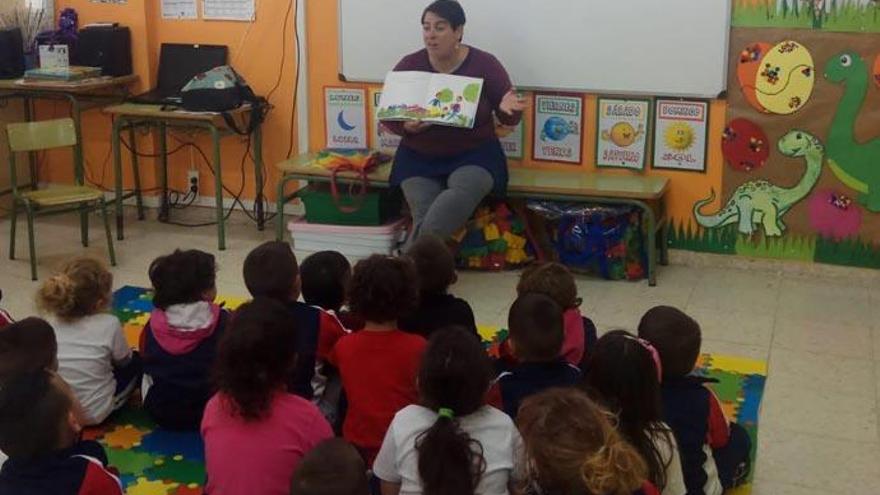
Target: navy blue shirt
[(526, 379)]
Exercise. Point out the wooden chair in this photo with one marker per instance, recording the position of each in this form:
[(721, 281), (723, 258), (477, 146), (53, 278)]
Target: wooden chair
[(46, 135)]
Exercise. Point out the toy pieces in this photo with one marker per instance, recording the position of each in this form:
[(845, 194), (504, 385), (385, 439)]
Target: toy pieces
[(143, 486)]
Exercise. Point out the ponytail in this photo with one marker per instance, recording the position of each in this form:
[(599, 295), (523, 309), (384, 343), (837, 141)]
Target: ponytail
[(614, 469), (57, 295), (450, 461)]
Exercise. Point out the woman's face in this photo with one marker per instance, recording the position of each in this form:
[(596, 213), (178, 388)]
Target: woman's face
[(440, 39)]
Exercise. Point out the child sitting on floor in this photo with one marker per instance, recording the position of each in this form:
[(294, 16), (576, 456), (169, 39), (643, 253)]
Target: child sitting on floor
[(94, 357), (556, 281), (39, 430), (572, 448), (451, 442), (270, 270), (536, 337), (714, 452), (256, 431), (179, 342), (625, 376), (378, 364), (437, 309), (334, 467)]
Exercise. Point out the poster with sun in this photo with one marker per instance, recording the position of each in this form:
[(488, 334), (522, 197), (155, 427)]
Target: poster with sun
[(382, 139), (559, 121), (622, 127), (345, 113), (680, 134)]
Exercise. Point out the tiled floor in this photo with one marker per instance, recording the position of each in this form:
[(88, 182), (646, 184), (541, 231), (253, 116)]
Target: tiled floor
[(820, 333)]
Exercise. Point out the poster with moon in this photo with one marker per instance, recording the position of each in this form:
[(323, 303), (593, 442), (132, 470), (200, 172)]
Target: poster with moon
[(680, 134), (345, 112), (622, 129)]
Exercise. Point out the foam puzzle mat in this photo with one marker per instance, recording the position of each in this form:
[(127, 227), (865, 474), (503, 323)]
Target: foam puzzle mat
[(153, 461)]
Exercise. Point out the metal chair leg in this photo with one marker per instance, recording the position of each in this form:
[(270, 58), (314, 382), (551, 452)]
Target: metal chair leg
[(13, 217), (31, 244), (109, 232), (84, 225)]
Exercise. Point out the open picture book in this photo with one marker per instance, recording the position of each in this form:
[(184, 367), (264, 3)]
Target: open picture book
[(441, 99)]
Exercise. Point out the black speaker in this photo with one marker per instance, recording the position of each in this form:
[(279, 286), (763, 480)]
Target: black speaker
[(107, 47), (11, 54)]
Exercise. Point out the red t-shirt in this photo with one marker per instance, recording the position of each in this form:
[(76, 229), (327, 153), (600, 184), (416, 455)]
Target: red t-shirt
[(378, 371)]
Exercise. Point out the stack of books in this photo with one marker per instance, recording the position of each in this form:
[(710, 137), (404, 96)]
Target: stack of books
[(71, 73)]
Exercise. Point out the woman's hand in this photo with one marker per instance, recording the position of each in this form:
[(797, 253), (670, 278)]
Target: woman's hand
[(415, 126), (513, 102)]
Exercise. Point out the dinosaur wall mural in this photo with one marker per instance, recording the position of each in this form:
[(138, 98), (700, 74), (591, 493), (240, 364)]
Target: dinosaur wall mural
[(784, 202), (856, 164), (759, 203)]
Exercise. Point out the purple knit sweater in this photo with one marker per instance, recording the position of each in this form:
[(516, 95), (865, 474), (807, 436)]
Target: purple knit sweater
[(449, 141)]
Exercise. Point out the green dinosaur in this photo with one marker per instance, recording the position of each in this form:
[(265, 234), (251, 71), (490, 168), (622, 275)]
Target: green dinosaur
[(760, 203), (856, 164)]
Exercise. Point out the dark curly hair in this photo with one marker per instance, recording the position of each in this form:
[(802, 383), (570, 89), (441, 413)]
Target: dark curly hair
[(270, 270), (325, 276), (434, 263), (256, 357), (182, 277), (383, 288), (455, 374)]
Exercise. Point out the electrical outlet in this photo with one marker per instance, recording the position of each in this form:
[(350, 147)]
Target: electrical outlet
[(192, 179)]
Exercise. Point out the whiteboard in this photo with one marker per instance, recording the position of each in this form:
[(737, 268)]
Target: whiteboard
[(650, 47)]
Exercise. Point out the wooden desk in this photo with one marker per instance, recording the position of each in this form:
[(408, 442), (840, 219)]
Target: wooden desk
[(130, 115), (645, 193), (99, 90)]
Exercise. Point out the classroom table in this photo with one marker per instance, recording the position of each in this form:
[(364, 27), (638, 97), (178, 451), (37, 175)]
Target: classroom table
[(130, 116), (82, 95), (647, 193)]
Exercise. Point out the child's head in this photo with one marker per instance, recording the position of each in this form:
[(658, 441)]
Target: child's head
[(83, 286), (551, 279), (36, 415), (325, 277), (676, 336), (383, 288), (624, 377), (27, 345), (453, 380), (333, 467), (434, 264), (270, 270), (183, 277), (255, 357), (573, 448), (536, 331)]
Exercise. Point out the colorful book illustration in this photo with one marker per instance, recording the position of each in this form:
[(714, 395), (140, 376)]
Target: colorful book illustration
[(441, 99)]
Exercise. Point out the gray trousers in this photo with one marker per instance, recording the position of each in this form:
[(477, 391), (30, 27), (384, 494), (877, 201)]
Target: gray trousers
[(443, 207)]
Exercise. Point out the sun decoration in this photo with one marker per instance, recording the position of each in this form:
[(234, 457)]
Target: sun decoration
[(679, 136)]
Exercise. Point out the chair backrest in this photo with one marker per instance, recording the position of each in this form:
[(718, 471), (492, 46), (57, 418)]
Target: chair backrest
[(42, 135)]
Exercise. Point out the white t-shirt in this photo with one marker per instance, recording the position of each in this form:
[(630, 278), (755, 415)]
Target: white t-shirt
[(668, 449), (398, 462), (87, 349)]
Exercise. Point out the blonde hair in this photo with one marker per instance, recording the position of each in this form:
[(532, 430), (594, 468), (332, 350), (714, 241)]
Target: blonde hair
[(573, 447), (76, 289)]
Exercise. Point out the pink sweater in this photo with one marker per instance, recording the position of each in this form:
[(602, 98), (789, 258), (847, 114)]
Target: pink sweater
[(573, 345)]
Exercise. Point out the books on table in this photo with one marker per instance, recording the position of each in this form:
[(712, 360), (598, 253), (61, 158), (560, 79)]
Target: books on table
[(441, 99), (70, 73)]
